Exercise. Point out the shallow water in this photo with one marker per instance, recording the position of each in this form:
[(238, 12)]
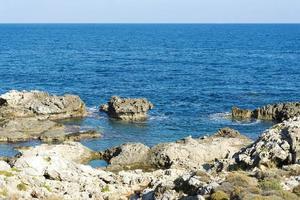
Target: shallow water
[(193, 74)]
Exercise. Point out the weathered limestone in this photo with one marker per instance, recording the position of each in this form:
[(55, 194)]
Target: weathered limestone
[(57, 172), (191, 153), (277, 112), (41, 105), (127, 109), (130, 155), (188, 153), (277, 146), (23, 129), (29, 115)]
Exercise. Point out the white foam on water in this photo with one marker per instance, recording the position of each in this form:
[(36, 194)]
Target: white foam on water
[(225, 118), (220, 116)]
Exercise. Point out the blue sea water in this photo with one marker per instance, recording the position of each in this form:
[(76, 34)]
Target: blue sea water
[(193, 73)]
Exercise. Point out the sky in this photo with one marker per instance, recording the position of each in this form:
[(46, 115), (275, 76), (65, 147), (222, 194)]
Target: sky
[(149, 11)]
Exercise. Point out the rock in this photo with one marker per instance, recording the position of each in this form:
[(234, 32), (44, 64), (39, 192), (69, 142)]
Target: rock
[(23, 129), (228, 132), (277, 112), (277, 146), (72, 151), (41, 105), (127, 109), (238, 113), (4, 166), (193, 153), (128, 156)]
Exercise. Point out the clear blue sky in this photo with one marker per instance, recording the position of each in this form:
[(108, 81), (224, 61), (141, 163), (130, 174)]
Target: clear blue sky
[(147, 11)]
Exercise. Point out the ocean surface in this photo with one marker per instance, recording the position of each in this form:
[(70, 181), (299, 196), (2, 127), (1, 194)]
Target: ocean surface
[(193, 74)]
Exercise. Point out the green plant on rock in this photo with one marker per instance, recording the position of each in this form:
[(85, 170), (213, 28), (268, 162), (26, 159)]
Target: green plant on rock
[(270, 184), (47, 187), (6, 173), (105, 189), (3, 192), (15, 169), (219, 195), (240, 179), (22, 186)]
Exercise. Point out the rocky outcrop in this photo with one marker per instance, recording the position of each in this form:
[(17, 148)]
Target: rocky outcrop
[(23, 129), (41, 105), (277, 146), (277, 112), (188, 153), (127, 156), (191, 153), (57, 172), (127, 109), (29, 115)]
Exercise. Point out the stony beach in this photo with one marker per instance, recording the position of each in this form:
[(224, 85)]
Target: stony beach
[(225, 165)]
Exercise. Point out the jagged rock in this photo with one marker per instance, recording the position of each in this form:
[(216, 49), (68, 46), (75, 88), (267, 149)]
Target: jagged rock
[(188, 153), (41, 105), (23, 129), (277, 146), (228, 132), (193, 153), (130, 155), (4, 166), (277, 112), (28, 115), (127, 109)]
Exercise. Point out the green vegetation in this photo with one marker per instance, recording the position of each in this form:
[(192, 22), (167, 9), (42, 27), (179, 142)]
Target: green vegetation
[(105, 189), (240, 179), (15, 169), (47, 187), (3, 192), (270, 184), (6, 173), (22, 186), (47, 159), (219, 195)]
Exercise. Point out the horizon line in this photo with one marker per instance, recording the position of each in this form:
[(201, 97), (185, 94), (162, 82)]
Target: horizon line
[(154, 23)]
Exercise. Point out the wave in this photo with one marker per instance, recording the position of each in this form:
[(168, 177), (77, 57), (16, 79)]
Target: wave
[(158, 117), (225, 118), (220, 116)]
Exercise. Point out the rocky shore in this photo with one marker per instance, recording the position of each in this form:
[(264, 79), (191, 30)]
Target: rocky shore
[(276, 112), (225, 165), (27, 115)]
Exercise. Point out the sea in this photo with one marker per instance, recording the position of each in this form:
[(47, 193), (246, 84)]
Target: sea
[(192, 73)]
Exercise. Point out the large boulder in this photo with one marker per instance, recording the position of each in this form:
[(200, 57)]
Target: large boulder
[(188, 153), (127, 156), (127, 109), (41, 105), (277, 146), (277, 112), (192, 153)]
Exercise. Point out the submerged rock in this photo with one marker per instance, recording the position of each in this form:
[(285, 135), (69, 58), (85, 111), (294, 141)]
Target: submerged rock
[(277, 146), (41, 105), (127, 109), (277, 112)]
